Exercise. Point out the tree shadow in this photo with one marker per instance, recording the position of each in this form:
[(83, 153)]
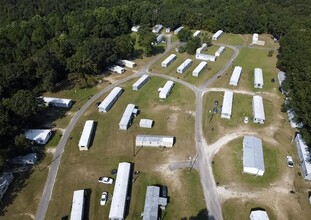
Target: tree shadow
[(157, 50), (202, 215)]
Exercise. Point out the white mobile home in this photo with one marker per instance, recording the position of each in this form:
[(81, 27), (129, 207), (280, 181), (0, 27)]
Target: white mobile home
[(253, 160), (140, 82), (109, 101), (159, 39), (235, 77), (165, 91), (152, 203), (258, 215), (116, 69), (135, 28), (178, 29), (203, 47), (5, 181), (58, 102), (86, 135), (226, 110), (145, 123), (258, 78), (197, 33), (281, 77), (120, 192), (199, 69), (217, 35), (170, 59), (39, 136), (206, 57), (128, 115), (255, 38), (184, 66), (127, 63), (258, 110), (154, 141), (157, 28), (219, 51), (77, 208), (304, 156)]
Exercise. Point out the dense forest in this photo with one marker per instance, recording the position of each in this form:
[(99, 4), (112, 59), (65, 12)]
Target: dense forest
[(45, 42)]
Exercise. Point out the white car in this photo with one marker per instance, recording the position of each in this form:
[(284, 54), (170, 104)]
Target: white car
[(105, 180), (104, 198), (290, 162)]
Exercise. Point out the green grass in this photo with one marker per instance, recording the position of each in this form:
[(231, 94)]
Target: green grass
[(53, 142), (231, 39)]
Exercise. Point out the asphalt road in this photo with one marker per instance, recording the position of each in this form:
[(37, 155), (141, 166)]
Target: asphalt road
[(202, 162)]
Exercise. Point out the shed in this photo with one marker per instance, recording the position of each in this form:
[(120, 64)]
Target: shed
[(128, 115), (258, 215), (178, 29), (86, 135), (140, 82), (120, 192), (253, 160), (258, 110), (304, 156), (197, 33), (255, 38), (39, 136), (157, 28), (217, 35), (5, 180), (135, 28), (235, 77), (78, 202), (199, 69), (154, 141), (152, 203), (258, 78), (219, 51), (184, 66), (145, 123), (226, 110), (58, 102), (165, 91), (109, 101), (206, 57), (170, 59), (127, 63), (116, 69), (28, 159)]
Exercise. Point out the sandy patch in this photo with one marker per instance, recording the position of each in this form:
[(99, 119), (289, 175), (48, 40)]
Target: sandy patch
[(171, 177)]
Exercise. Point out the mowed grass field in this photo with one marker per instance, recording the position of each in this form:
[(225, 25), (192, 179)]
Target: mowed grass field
[(231, 39), (249, 59), (210, 71), (80, 170)]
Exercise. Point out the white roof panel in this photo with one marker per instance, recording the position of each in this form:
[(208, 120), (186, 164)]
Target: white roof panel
[(305, 153), (167, 88), (86, 133), (258, 77), (169, 59), (236, 74), (200, 67), (217, 34), (253, 153), (77, 205), (141, 80), (259, 215), (281, 77), (112, 95), (258, 107), (127, 115), (37, 134), (227, 103)]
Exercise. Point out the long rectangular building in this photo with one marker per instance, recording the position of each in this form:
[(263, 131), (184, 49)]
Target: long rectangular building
[(116, 69), (39, 136), (178, 29), (170, 59), (120, 193), (109, 101), (57, 102), (226, 110), (258, 110), (206, 57), (253, 159), (219, 51), (86, 135), (258, 78), (184, 66), (154, 141), (152, 203), (140, 82), (199, 69), (128, 115), (235, 77), (217, 35), (165, 91), (304, 156), (77, 208)]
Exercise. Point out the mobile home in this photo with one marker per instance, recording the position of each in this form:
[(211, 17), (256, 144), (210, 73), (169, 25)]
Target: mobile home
[(258, 78), (258, 110), (184, 66), (199, 69), (170, 59), (235, 77), (165, 91), (86, 135)]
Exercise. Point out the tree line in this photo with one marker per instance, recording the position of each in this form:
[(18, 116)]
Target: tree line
[(45, 42)]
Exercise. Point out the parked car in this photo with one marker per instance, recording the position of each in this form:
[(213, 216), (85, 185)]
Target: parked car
[(215, 110), (104, 198), (216, 103), (290, 162), (105, 180), (164, 191)]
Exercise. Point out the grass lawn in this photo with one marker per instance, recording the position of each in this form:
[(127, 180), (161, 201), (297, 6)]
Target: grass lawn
[(210, 71), (215, 127), (231, 39), (80, 170), (231, 171), (238, 209), (269, 42)]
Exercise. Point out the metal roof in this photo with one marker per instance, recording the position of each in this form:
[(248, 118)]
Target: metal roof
[(217, 34), (235, 77), (152, 202), (258, 108), (227, 104), (77, 205), (253, 153), (86, 133), (114, 94), (258, 77), (184, 65), (38, 135), (178, 29), (51, 100), (196, 33), (145, 123), (168, 59), (281, 77), (127, 115), (259, 215), (140, 81), (199, 68), (120, 191), (166, 89), (219, 51), (305, 153)]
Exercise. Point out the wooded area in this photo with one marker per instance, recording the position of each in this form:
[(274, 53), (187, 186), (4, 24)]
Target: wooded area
[(45, 42)]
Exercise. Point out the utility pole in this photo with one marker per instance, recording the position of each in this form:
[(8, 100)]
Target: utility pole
[(195, 159)]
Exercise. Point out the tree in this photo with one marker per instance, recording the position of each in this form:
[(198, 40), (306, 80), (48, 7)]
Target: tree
[(184, 35), (192, 45)]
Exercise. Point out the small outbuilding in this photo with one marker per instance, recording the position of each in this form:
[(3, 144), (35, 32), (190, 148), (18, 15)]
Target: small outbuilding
[(135, 28), (130, 112), (116, 69), (235, 77), (219, 51), (258, 78), (217, 35), (197, 33), (57, 102), (170, 59), (86, 135), (255, 38), (5, 180), (109, 101), (178, 29), (258, 215), (184, 66), (145, 123), (140, 82), (157, 28), (258, 110), (253, 159), (226, 110), (165, 91), (154, 141), (152, 203), (304, 156), (39, 136), (199, 69)]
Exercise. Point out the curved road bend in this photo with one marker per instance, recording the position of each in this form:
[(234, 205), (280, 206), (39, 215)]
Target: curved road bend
[(53, 167)]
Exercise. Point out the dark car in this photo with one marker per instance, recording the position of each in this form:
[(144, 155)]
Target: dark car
[(215, 110)]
